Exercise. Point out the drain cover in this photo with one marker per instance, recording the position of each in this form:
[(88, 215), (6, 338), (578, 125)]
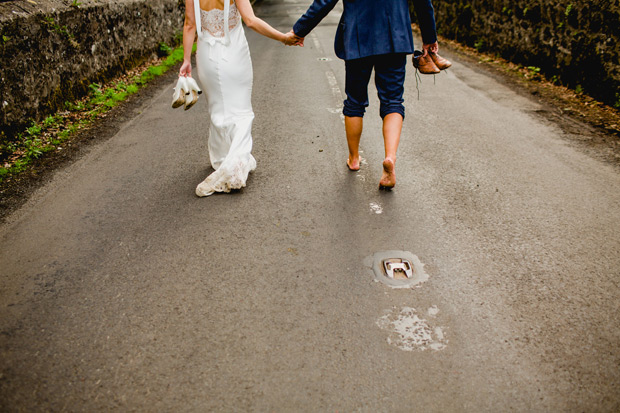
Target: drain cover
[(398, 269), (393, 267)]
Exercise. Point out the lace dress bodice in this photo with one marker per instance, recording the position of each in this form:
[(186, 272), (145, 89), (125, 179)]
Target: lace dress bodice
[(212, 21)]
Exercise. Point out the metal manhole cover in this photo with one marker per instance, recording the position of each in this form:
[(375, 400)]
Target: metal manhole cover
[(397, 269)]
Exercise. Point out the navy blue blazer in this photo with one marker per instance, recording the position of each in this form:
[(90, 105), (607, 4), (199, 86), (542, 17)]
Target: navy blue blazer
[(371, 27)]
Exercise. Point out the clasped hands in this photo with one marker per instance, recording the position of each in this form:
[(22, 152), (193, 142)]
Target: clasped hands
[(291, 39)]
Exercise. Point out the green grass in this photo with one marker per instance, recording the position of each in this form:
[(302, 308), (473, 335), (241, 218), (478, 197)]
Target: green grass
[(51, 133)]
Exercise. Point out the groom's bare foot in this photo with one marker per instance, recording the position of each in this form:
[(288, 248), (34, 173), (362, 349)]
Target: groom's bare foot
[(353, 164), (388, 178)]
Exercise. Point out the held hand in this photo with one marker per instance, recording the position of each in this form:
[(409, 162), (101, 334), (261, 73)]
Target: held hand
[(299, 41), (186, 69), (432, 47), (291, 39)]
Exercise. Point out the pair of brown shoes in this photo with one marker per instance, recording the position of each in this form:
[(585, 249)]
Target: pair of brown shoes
[(430, 64)]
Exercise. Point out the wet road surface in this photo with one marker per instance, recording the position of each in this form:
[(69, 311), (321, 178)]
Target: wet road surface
[(121, 290)]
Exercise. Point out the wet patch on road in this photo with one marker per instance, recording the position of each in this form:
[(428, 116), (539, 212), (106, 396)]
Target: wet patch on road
[(409, 332), (376, 208)]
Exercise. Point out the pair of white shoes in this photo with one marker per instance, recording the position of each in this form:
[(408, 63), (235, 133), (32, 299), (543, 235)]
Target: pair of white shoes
[(185, 93)]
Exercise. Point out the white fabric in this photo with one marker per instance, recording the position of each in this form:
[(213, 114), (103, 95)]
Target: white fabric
[(213, 21), (225, 71)]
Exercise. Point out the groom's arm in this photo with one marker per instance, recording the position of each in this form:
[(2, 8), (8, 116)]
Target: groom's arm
[(315, 13), (426, 19)]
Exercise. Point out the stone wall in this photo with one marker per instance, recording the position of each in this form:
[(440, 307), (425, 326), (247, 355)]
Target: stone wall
[(575, 42), (52, 50)]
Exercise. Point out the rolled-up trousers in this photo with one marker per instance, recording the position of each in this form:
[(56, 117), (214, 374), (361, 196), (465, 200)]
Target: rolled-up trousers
[(389, 79)]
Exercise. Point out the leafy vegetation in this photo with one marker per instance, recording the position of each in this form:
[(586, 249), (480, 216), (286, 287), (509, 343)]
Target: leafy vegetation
[(479, 45), (61, 30), (164, 49), (534, 72), (55, 130)]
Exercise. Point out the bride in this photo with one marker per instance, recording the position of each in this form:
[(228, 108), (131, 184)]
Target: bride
[(225, 72)]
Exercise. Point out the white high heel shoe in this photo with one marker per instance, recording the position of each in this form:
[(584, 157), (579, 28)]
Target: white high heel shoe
[(180, 91), (192, 94)]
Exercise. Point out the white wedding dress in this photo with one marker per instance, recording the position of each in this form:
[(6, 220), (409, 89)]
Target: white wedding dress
[(225, 73)]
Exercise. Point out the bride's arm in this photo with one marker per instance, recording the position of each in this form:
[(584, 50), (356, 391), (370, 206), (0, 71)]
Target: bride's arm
[(189, 33), (259, 25)]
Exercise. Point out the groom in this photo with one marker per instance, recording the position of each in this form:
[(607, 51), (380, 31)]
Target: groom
[(374, 34)]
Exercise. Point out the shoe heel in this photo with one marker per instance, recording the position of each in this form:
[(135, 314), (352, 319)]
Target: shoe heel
[(191, 99), (193, 90), (192, 85)]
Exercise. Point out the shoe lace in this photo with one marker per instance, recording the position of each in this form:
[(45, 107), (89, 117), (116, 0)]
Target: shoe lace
[(419, 79)]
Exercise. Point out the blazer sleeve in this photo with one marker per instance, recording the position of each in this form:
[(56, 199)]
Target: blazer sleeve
[(313, 16), (426, 19)]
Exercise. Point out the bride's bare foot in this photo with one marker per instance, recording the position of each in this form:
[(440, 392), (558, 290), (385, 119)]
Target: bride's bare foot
[(353, 164), (388, 178)]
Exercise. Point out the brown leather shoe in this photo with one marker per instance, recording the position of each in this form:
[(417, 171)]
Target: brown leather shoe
[(424, 63), (439, 61)]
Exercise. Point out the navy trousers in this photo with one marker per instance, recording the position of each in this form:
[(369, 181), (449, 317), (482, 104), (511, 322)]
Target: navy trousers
[(389, 79)]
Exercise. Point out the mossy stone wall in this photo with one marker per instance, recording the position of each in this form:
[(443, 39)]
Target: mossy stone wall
[(52, 50), (576, 43)]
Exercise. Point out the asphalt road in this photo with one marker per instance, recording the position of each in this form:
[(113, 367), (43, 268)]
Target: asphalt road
[(121, 290)]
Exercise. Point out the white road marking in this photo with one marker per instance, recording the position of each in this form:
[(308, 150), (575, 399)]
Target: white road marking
[(333, 83), (336, 93), (316, 42)]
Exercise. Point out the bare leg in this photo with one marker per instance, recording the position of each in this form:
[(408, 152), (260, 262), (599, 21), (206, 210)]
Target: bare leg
[(392, 126), (353, 127)]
